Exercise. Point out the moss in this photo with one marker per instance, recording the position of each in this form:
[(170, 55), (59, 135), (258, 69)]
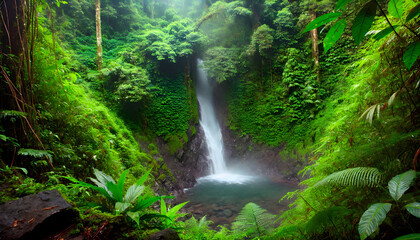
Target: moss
[(175, 143), (193, 130)]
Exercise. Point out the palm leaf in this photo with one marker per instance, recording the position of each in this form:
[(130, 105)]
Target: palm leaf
[(357, 177), (372, 218), (400, 183), (253, 220), (413, 208)]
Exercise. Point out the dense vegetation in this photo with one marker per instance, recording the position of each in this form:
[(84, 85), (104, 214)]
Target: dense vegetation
[(337, 81)]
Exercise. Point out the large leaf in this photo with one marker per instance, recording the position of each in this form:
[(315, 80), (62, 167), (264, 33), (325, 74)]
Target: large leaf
[(319, 21), (135, 216), (413, 13), (172, 213), (101, 190), (411, 54), (372, 218), (133, 192), (101, 179), (400, 183), (121, 207), (363, 21), (413, 236), (143, 178), (118, 188), (144, 203), (413, 208), (385, 32), (334, 34), (341, 3), (395, 8)]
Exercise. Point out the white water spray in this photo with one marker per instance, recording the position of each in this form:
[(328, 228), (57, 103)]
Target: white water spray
[(213, 133)]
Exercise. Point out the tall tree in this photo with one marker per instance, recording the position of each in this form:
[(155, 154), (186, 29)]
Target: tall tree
[(98, 33)]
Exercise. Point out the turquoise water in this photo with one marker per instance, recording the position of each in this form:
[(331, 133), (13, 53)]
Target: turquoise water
[(221, 198)]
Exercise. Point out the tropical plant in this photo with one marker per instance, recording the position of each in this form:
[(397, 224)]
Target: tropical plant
[(197, 229), (376, 213), (364, 20), (171, 214), (253, 221), (131, 204), (357, 177)]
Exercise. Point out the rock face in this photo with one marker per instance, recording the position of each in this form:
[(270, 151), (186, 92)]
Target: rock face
[(34, 216), (189, 163)]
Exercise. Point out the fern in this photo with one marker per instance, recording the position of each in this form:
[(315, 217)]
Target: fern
[(326, 218), (197, 230), (357, 177), (11, 113), (253, 221), (34, 153)]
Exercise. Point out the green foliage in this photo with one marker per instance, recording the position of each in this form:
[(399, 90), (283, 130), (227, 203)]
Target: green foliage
[(261, 41), (253, 221), (372, 218), (356, 177), (132, 204), (169, 113), (221, 63), (197, 229), (334, 34), (411, 54), (363, 21), (327, 219), (319, 21), (400, 183), (413, 236), (376, 214), (35, 153), (171, 214), (413, 208)]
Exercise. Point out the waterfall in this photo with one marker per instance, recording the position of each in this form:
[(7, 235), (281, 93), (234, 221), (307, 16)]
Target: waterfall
[(208, 121)]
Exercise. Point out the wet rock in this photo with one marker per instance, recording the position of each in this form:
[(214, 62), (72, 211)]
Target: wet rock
[(35, 216), (167, 234), (227, 213)]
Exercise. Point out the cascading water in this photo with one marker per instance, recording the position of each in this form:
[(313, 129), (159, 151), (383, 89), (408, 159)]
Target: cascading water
[(213, 133), (209, 122), (221, 195)]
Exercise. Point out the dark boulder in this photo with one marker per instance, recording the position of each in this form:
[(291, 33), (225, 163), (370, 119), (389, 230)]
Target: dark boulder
[(35, 216), (167, 234)]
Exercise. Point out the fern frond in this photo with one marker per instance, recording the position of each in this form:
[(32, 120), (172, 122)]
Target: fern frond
[(34, 153), (253, 220), (357, 177), (326, 218), (11, 113)]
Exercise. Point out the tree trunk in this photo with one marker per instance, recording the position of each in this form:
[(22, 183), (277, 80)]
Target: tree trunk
[(315, 50), (98, 33)]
